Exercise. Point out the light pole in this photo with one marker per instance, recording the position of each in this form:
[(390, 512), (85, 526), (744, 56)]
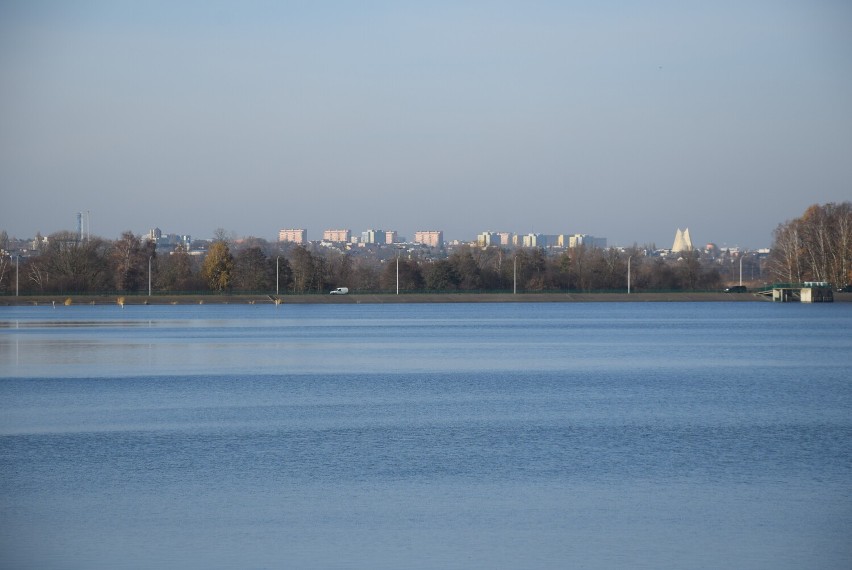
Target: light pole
[(741, 269), (276, 274), (629, 257), (515, 274), (397, 271), (149, 275)]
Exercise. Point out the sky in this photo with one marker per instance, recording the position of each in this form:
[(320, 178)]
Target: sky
[(619, 119)]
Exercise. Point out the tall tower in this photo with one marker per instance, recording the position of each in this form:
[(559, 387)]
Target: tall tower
[(682, 241)]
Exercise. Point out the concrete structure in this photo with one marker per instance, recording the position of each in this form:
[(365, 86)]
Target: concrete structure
[(682, 241), (337, 236), (299, 236), (584, 240), (808, 292), (488, 239), (391, 237), (432, 238), (373, 237), (534, 240), (505, 238), (166, 241), (817, 294)]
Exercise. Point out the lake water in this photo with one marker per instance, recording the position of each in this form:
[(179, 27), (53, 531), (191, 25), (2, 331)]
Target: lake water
[(589, 435)]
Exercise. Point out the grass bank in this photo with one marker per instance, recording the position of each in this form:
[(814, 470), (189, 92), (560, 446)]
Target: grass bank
[(378, 298)]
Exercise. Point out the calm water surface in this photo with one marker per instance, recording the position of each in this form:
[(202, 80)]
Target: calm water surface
[(611, 435)]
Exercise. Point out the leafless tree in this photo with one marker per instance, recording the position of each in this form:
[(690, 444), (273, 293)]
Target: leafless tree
[(128, 259), (68, 264), (817, 246)]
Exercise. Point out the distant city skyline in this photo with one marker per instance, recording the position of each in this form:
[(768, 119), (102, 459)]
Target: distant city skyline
[(433, 237), (614, 119), (316, 233)]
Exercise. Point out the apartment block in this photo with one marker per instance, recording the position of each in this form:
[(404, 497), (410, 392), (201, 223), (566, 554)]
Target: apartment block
[(299, 236), (487, 239), (505, 238), (534, 240), (432, 238), (373, 237), (588, 241), (337, 236)]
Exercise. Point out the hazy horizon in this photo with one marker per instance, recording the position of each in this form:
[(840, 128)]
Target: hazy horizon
[(619, 120)]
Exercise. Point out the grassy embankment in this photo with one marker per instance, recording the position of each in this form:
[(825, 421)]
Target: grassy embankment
[(200, 299)]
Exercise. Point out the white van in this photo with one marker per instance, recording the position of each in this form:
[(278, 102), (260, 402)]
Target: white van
[(339, 291)]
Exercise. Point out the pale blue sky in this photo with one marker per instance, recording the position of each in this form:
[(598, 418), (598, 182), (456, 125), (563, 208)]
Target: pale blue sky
[(619, 119)]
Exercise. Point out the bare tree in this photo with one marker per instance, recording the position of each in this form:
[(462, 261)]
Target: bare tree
[(843, 238), (128, 259), (302, 265), (175, 272), (253, 271), (340, 269), (5, 266), (68, 264), (410, 278), (817, 246)]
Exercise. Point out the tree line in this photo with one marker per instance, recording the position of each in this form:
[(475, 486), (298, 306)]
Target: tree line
[(815, 247), (67, 264)]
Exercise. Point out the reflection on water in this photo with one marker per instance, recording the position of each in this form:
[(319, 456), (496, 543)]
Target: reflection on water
[(73, 324), (103, 341), (476, 436)]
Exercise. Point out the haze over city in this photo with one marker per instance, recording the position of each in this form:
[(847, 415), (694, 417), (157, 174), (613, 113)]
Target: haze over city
[(615, 119)]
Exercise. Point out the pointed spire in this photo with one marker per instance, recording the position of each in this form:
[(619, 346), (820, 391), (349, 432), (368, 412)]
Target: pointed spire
[(687, 241), (678, 241), (682, 241)]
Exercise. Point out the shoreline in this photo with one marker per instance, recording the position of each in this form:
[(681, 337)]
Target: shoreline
[(390, 298)]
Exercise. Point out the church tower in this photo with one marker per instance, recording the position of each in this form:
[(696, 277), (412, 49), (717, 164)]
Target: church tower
[(682, 241)]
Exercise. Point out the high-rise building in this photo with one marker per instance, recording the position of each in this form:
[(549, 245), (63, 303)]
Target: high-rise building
[(487, 239), (299, 236), (337, 236), (534, 240), (587, 241), (432, 238), (373, 237)]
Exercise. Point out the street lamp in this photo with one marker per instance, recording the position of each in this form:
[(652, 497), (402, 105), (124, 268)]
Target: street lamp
[(629, 257), (276, 274), (515, 274), (741, 269), (149, 275), (397, 271)]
